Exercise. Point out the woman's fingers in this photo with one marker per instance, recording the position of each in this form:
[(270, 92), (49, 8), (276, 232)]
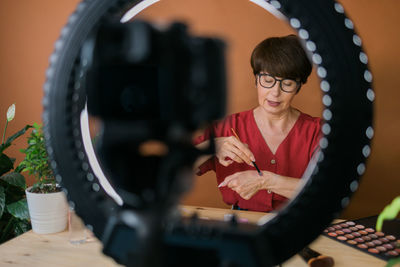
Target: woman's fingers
[(227, 156), (234, 149), (244, 183), (247, 196), (239, 156), (228, 179), (225, 162), (245, 192), (243, 151)]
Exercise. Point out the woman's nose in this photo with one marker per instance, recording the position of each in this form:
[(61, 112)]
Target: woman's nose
[(276, 89)]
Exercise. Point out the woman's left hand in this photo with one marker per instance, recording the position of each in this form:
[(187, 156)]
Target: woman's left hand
[(246, 183)]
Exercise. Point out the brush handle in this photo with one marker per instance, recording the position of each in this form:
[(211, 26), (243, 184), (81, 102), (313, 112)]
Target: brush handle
[(254, 163), (258, 170)]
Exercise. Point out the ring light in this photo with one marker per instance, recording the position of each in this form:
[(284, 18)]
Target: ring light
[(335, 49)]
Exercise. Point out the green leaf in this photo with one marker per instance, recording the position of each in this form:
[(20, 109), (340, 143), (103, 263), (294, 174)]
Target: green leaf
[(4, 146), (19, 209), (21, 226), (36, 158), (2, 201), (37, 126), (13, 193), (32, 142), (19, 168), (15, 179), (5, 164), (13, 137), (7, 230)]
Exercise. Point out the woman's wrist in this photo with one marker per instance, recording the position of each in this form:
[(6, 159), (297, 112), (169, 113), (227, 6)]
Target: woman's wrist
[(269, 180)]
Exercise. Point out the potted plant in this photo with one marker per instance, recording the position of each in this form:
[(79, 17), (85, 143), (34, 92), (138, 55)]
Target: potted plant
[(14, 216), (47, 203)]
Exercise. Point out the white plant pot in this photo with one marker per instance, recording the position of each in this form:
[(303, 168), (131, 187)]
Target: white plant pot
[(48, 212)]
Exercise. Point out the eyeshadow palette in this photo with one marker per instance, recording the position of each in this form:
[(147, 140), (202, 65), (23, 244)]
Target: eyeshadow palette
[(361, 234)]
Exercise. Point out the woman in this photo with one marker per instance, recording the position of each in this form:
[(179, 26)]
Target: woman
[(279, 138)]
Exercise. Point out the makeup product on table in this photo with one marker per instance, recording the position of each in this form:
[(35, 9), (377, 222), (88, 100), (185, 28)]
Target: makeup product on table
[(360, 234), (254, 163), (315, 259)]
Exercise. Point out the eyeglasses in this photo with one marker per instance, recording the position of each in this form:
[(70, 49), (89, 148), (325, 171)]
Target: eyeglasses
[(286, 85)]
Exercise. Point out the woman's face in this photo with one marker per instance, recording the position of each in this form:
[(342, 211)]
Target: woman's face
[(273, 100)]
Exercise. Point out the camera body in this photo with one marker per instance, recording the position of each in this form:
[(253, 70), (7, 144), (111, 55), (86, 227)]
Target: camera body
[(143, 72), (149, 83)]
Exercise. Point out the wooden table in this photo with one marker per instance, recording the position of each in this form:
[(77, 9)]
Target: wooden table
[(32, 249)]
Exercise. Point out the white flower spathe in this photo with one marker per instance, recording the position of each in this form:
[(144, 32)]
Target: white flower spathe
[(11, 113)]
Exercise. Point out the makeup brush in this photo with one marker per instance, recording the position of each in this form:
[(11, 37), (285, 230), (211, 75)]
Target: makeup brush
[(254, 163), (315, 259)]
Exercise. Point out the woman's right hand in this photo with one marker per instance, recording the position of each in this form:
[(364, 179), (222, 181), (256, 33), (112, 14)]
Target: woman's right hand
[(230, 149)]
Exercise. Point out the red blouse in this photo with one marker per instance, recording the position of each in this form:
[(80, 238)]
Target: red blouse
[(290, 159)]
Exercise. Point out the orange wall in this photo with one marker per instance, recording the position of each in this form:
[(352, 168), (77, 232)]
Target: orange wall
[(29, 28)]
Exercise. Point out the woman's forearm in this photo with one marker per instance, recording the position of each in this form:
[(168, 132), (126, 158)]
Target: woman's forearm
[(282, 185), (203, 145)]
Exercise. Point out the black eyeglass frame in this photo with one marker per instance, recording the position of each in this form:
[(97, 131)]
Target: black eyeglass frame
[(298, 83)]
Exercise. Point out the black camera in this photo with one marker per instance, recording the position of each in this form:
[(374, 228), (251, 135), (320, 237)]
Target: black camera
[(143, 72), (151, 84)]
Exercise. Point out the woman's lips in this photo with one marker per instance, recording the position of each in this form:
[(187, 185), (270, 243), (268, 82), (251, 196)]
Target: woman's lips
[(273, 103)]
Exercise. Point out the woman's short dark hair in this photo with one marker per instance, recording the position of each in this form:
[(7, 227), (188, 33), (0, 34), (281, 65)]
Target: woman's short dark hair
[(281, 57)]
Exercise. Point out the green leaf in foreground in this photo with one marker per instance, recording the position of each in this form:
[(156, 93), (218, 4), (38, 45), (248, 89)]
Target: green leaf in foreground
[(6, 164), (19, 209), (2, 201), (15, 179)]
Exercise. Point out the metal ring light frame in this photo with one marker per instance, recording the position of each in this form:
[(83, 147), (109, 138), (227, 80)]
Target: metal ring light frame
[(341, 64)]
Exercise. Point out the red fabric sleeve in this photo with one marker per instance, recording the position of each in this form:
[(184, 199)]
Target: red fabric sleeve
[(217, 129), (317, 137)]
